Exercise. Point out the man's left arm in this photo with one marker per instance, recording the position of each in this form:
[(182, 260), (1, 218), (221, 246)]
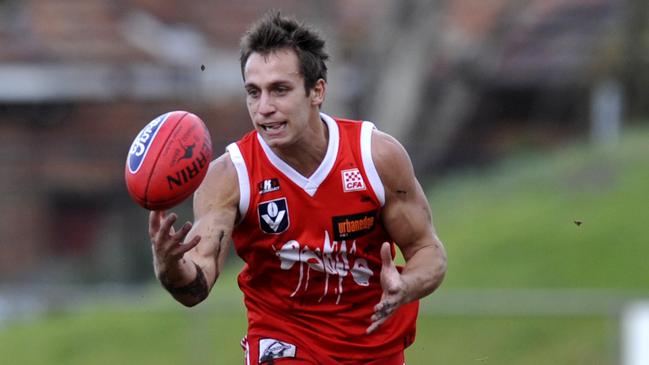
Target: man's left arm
[(408, 219)]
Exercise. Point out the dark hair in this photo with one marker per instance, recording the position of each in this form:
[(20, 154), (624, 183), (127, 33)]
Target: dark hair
[(274, 32)]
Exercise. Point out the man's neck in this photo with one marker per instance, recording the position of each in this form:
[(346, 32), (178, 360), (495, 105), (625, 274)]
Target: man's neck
[(306, 154)]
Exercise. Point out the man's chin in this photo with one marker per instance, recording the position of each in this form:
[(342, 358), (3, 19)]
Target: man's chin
[(275, 141)]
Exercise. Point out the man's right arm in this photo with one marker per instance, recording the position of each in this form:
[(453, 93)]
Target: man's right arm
[(188, 261)]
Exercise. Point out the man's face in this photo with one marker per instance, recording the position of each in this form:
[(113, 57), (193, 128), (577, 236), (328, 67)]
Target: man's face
[(277, 103)]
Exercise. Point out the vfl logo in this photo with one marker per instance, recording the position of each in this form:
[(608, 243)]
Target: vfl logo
[(270, 349), (273, 216), (352, 180), (189, 151), (353, 226), (268, 185), (142, 142)]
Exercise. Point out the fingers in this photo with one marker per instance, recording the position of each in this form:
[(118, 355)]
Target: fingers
[(154, 223), (390, 277), (163, 234), (382, 311), (375, 325), (180, 235), (191, 244), (386, 255), (182, 248), (392, 289), (166, 228), (155, 217)]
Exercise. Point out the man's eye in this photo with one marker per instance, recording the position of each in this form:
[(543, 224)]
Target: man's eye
[(253, 93)]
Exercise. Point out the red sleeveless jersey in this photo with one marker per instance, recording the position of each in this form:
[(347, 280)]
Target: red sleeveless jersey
[(311, 247)]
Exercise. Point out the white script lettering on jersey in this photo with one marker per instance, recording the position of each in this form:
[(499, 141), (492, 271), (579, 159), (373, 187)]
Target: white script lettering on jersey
[(333, 260)]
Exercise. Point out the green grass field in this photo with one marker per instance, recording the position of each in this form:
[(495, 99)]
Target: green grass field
[(169, 337), (514, 226), (509, 228)]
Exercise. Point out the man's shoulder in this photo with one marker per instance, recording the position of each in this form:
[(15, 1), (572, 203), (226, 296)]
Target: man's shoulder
[(348, 126), (243, 147), (390, 157), (346, 120), (221, 169)]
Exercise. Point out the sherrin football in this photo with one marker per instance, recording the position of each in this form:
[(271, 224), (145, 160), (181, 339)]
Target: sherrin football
[(168, 160)]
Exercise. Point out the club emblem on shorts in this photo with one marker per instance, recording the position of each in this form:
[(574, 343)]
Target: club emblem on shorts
[(270, 349), (273, 216), (352, 180)]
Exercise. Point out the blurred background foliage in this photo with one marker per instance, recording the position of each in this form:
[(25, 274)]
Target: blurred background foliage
[(525, 121)]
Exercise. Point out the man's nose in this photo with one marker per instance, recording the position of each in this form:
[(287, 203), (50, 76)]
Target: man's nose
[(266, 105)]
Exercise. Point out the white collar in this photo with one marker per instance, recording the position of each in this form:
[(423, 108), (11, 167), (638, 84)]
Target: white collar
[(308, 184)]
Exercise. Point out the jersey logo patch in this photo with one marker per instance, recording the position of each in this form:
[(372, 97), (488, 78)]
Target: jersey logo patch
[(273, 216), (270, 349), (352, 180), (268, 185), (352, 226)]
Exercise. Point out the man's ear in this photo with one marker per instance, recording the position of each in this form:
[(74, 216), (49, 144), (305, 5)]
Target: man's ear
[(318, 92)]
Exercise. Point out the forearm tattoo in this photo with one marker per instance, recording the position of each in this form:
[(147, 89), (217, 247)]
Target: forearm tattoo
[(197, 288)]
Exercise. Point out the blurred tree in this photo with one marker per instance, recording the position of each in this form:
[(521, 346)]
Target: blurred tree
[(420, 92), (402, 52)]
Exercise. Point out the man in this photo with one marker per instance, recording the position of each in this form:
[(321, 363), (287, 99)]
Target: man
[(314, 206)]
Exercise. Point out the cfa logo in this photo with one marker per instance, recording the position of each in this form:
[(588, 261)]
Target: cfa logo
[(273, 216), (352, 180), (142, 142)]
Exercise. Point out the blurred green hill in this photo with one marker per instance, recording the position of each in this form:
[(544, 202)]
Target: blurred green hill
[(572, 220), (575, 218)]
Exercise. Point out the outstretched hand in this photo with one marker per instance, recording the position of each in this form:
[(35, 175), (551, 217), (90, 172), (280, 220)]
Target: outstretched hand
[(394, 290), (166, 243)]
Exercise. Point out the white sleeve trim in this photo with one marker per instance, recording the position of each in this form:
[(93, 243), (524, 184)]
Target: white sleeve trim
[(242, 174), (368, 162)]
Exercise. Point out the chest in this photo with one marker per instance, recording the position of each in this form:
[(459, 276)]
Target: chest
[(342, 204)]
